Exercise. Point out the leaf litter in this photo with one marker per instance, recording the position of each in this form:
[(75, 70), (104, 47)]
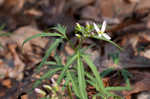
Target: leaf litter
[(129, 27)]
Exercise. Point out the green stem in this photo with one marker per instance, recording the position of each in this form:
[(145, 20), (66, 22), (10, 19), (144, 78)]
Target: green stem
[(69, 92)]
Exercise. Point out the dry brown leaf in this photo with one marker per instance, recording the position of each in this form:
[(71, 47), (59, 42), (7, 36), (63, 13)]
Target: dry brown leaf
[(75, 4), (13, 5), (69, 50), (112, 8), (131, 1), (23, 33), (7, 83), (2, 94), (90, 12), (33, 12), (19, 65), (24, 96), (141, 83)]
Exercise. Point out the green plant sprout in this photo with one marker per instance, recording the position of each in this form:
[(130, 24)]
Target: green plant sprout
[(74, 71), (3, 34)]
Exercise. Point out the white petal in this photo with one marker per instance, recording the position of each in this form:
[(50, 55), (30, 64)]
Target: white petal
[(100, 35), (53, 81), (77, 35), (96, 27), (37, 90), (106, 36), (92, 33), (103, 27), (87, 24)]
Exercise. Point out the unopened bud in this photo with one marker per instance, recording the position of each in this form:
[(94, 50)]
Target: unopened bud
[(37, 90), (47, 87), (77, 35), (78, 26), (87, 25)]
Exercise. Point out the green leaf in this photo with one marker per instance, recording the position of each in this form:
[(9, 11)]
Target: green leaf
[(67, 81), (69, 62), (58, 59), (94, 84), (40, 35), (50, 63), (104, 39), (100, 95), (84, 49), (92, 81), (45, 98), (72, 77), (117, 97), (69, 92), (96, 73), (2, 27), (116, 88), (121, 88), (106, 72), (5, 34), (115, 57), (48, 52), (55, 66), (45, 76), (126, 76), (81, 77), (90, 77), (60, 29), (49, 73)]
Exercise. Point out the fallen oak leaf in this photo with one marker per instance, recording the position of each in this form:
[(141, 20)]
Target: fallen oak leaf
[(139, 85)]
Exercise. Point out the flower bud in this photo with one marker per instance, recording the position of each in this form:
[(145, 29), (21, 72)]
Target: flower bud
[(78, 35), (37, 90), (47, 87), (78, 26)]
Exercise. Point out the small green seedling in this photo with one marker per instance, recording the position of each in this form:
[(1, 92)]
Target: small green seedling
[(73, 71)]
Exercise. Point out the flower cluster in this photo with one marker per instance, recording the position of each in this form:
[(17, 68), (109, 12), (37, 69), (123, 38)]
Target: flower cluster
[(54, 89), (86, 30)]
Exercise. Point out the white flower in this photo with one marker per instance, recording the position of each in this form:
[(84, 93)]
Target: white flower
[(102, 31)]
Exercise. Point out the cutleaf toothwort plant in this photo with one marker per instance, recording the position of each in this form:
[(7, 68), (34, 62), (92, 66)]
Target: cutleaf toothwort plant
[(73, 71)]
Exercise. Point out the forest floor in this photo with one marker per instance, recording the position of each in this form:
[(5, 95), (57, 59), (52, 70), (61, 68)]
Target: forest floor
[(128, 24)]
